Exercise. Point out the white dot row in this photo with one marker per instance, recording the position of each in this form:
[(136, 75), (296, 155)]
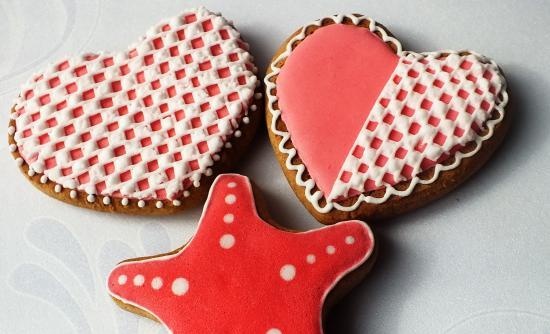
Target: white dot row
[(227, 241), (288, 271), (179, 286)]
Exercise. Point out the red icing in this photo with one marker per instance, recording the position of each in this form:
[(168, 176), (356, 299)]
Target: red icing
[(240, 289), (326, 89)]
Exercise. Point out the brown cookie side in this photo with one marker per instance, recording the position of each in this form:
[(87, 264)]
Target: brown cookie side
[(230, 155), (421, 195)]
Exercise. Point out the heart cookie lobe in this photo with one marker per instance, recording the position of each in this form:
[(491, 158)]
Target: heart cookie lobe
[(144, 129), (359, 125)]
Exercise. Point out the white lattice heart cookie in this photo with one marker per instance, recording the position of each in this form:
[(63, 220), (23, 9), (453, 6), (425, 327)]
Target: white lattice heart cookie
[(363, 129), (143, 130)]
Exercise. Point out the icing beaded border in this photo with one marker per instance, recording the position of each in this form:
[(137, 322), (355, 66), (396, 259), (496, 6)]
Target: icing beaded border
[(315, 196), (84, 199)]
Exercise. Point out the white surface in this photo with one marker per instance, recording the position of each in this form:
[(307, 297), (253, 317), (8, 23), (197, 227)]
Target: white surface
[(473, 262)]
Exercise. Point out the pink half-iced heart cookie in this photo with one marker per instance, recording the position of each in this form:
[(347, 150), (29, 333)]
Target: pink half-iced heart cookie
[(143, 130), (364, 129), (239, 274)]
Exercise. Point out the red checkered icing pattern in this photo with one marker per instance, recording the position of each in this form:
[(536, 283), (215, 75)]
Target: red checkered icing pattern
[(144, 123), (429, 108)]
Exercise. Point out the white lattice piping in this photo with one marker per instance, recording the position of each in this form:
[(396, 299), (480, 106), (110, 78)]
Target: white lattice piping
[(201, 16)]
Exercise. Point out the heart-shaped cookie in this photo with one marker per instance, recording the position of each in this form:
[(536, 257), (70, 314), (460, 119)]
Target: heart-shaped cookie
[(364, 129), (143, 130)]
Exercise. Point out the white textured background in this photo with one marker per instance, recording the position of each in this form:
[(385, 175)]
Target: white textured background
[(476, 261)]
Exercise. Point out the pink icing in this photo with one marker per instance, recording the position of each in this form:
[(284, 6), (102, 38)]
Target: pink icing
[(326, 89), (242, 275), (363, 118)]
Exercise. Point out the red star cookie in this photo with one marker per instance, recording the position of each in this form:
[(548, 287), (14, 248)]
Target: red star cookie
[(240, 274)]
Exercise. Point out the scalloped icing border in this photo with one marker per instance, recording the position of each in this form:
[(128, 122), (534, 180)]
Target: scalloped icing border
[(314, 196)]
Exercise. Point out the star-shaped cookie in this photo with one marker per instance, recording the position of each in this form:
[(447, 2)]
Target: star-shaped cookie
[(240, 274)]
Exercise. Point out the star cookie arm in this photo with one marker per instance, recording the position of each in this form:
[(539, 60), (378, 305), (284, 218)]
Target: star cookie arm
[(230, 199), (143, 286), (308, 266), (332, 252)]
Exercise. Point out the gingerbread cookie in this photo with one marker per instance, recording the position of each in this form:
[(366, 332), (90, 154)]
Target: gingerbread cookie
[(363, 129), (239, 274), (143, 130)]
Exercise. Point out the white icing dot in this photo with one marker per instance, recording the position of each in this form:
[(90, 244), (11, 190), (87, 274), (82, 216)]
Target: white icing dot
[(230, 199), (274, 331), (11, 130), (288, 272), (57, 188), (231, 185), (19, 162), (196, 183), (159, 204), (141, 203), (139, 280), (238, 133), (258, 96), (124, 201), (186, 193), (311, 259), (216, 157), (73, 194), (228, 145), (254, 107), (31, 172), (228, 218), (122, 279), (208, 172), (13, 148), (156, 283), (331, 250), (350, 240), (43, 179), (180, 286), (106, 200), (227, 241), (91, 198), (176, 202), (246, 120)]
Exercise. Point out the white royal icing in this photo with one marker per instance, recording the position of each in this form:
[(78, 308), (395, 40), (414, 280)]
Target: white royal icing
[(341, 188), (288, 272), (180, 286), (227, 241), (143, 122)]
